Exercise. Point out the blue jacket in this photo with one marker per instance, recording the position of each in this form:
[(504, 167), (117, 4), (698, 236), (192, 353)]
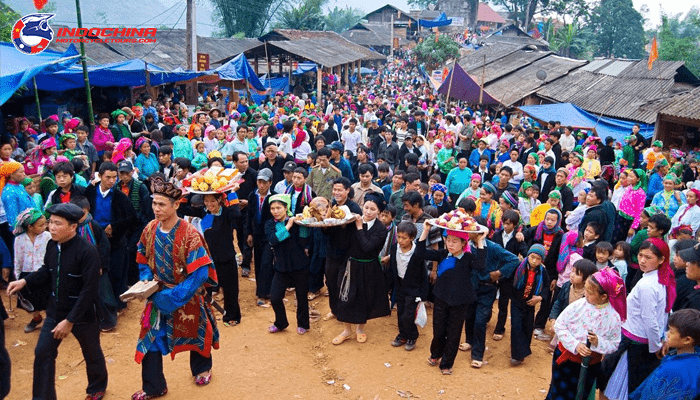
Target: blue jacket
[(474, 158), (497, 259), (345, 169), (676, 378), (656, 185)]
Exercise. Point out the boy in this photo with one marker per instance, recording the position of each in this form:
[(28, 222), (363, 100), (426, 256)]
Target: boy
[(684, 286), (258, 215), (63, 172), (323, 174), (165, 158), (383, 178), (678, 376), (603, 252), (410, 280), (591, 236)]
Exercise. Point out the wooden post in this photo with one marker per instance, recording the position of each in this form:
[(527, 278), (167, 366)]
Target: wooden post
[(255, 65), (345, 75), (290, 74), (319, 87), (279, 58)]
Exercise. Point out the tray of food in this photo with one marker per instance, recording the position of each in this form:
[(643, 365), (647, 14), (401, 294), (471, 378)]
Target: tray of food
[(212, 180), (319, 214), (458, 220)]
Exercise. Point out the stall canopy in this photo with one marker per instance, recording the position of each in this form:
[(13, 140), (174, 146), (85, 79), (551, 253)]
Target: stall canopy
[(17, 69), (305, 67), (130, 73), (439, 21), (464, 88), (238, 68), (570, 115)]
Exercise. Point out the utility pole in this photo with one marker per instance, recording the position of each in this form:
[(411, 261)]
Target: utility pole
[(191, 51), (392, 36), (83, 60)]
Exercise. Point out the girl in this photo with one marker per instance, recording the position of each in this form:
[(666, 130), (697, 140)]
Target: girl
[(195, 133), (31, 238), (487, 208), (447, 157), (530, 286), (573, 218), (622, 258), (620, 189), (363, 293), (688, 214), (211, 142), (181, 145), (648, 306), (554, 199), (200, 157), (103, 138), (146, 162), (591, 164), (669, 199), (472, 191), (439, 198), (595, 319), (526, 201), (120, 129), (40, 157), (631, 206), (572, 289), (655, 155), (290, 253)]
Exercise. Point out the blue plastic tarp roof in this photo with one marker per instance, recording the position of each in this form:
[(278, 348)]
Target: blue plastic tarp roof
[(570, 115), (130, 73), (16, 68), (439, 21), (275, 85), (464, 88), (305, 67), (238, 68)]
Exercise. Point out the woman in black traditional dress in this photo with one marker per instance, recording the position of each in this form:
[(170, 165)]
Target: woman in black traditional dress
[(363, 294)]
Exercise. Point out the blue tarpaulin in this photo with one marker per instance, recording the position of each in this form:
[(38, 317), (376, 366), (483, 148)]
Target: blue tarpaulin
[(16, 68), (570, 115), (305, 67), (439, 21), (275, 85), (129, 73), (238, 68)]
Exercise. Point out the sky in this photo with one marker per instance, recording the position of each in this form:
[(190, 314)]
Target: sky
[(669, 7)]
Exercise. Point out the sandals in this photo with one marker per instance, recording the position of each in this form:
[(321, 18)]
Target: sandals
[(447, 371), (141, 395), (261, 303), (465, 347), (361, 338), (200, 380), (95, 396), (273, 329), (433, 361), (340, 339), (313, 295), (301, 331), (497, 336), (329, 316), (477, 364)]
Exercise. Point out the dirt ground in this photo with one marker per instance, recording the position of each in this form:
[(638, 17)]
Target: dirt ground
[(254, 364)]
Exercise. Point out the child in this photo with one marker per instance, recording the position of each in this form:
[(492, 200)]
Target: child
[(603, 253), (678, 375), (591, 236), (182, 147), (31, 238), (648, 306), (31, 187), (290, 247), (658, 226), (200, 157), (684, 285), (530, 286), (622, 258), (410, 281), (554, 199), (473, 190), (526, 201), (182, 171), (63, 172), (452, 295), (383, 179), (573, 289), (258, 215), (588, 327)]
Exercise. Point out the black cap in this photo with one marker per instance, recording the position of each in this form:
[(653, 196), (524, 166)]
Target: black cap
[(289, 166), (125, 166), (69, 211), (690, 255)]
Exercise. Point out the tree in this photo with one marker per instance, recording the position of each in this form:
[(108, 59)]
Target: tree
[(434, 54), (522, 11), (617, 30), (678, 44), (422, 4), (308, 16), (8, 17), (570, 41), (251, 17), (341, 19), (576, 10)]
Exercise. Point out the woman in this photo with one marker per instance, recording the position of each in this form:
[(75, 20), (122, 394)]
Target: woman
[(439, 200), (15, 198), (669, 199), (146, 162), (688, 214), (620, 189), (447, 157), (631, 206), (103, 139), (363, 292), (591, 164), (648, 305), (576, 173), (120, 129), (656, 178)]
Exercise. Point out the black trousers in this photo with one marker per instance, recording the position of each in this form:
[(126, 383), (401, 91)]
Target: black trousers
[(478, 315), (406, 306), (242, 239), (263, 267), (522, 321), (227, 272), (447, 329), (152, 370), (545, 308), (333, 267), (280, 282), (88, 336), (5, 364), (118, 271), (505, 289)]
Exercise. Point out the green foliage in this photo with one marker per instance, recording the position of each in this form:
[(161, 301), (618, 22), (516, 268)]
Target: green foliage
[(677, 43), (434, 54), (570, 41), (522, 11), (341, 19), (617, 30), (251, 17), (307, 16), (8, 17), (575, 10), (422, 4)]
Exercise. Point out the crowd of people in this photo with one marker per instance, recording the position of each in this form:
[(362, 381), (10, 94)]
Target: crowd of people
[(588, 243)]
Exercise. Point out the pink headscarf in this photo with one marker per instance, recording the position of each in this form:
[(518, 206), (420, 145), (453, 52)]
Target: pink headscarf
[(614, 287), (462, 235), (122, 146), (300, 138), (666, 276)]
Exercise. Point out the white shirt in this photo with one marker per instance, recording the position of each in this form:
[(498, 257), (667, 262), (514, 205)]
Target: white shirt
[(517, 171), (29, 257), (350, 140), (402, 259), (302, 151), (105, 193), (286, 146), (568, 143), (646, 310), (507, 237)]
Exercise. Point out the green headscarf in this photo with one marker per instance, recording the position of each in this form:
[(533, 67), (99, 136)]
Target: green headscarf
[(672, 177), (26, 218), (658, 144), (284, 199), (523, 188), (653, 210), (642, 183)]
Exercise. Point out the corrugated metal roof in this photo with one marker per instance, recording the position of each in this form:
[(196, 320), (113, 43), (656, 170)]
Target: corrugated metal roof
[(523, 82), (488, 54), (615, 68), (683, 105), (505, 65), (595, 65), (319, 50), (366, 34), (340, 43)]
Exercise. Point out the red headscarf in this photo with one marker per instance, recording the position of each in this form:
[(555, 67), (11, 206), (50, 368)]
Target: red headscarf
[(614, 286), (666, 276)]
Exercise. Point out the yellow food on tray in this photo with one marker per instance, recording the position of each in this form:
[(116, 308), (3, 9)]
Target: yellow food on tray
[(337, 213)]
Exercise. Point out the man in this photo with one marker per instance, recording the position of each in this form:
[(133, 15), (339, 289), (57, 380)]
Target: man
[(71, 306), (274, 161), (165, 159), (84, 145), (362, 158), (299, 192), (323, 174), (248, 186), (338, 161), (546, 180), (407, 148), (607, 153), (639, 146), (515, 166), (374, 135), (412, 205), (401, 130), (365, 185), (556, 149), (176, 318), (388, 150), (287, 171), (412, 181), (113, 210), (504, 177), (418, 125), (330, 134), (351, 137), (528, 147), (239, 143)]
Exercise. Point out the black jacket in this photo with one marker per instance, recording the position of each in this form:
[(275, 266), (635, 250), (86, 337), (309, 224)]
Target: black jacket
[(550, 260), (597, 214), (607, 155), (513, 246), (73, 274), (454, 285), (256, 219), (561, 302), (340, 237), (219, 235), (403, 151), (249, 184), (567, 201), (415, 281), (123, 214), (549, 184), (289, 254), (523, 155), (277, 173), (55, 196)]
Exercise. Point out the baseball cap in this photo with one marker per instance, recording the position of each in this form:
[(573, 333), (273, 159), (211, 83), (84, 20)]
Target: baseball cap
[(690, 255), (125, 166), (265, 174), (289, 166), (336, 146)]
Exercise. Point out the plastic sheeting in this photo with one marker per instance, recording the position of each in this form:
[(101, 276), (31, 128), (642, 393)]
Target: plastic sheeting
[(17, 69), (464, 88), (129, 73), (238, 68), (275, 85), (570, 115), (439, 21)]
